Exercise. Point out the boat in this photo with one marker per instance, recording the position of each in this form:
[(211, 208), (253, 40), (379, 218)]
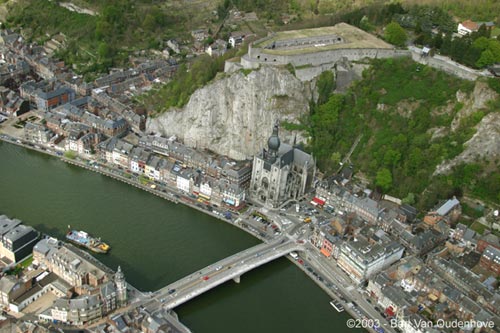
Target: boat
[(81, 238), (337, 306)]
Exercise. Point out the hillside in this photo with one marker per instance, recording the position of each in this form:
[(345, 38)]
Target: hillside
[(414, 119), (119, 27)]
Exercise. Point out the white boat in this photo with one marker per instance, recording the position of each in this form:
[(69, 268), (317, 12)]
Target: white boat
[(337, 306)]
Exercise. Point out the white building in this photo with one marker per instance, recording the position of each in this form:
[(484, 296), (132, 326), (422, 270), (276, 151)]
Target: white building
[(183, 182), (467, 27), (360, 259)]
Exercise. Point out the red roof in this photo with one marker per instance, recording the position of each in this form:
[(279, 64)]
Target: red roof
[(470, 25), (319, 201)]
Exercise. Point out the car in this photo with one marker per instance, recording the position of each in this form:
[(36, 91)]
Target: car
[(218, 268), (171, 291), (309, 269), (301, 261), (206, 277)]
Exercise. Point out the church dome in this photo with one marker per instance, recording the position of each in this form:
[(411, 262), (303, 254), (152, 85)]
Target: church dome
[(274, 141)]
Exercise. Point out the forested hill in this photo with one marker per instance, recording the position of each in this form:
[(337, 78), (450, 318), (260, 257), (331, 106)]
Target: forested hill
[(413, 119)]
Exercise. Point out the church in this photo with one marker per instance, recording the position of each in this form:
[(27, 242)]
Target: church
[(280, 172)]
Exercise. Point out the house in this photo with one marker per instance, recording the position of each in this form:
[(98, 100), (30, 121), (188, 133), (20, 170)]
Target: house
[(37, 133), (10, 288), (490, 260), (200, 34), (86, 144), (217, 48), (236, 38), (467, 27), (174, 46)]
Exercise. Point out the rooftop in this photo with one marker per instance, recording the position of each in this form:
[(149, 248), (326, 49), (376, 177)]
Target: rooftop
[(353, 38)]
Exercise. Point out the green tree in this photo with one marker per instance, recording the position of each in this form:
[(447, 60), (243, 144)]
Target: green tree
[(487, 58), (384, 179), (335, 159), (395, 34), (410, 199), (325, 86)]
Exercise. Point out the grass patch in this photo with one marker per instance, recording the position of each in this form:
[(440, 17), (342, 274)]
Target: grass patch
[(70, 154), (479, 227), (144, 180), (246, 71)]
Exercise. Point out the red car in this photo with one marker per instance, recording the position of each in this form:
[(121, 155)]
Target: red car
[(301, 261), (206, 277)]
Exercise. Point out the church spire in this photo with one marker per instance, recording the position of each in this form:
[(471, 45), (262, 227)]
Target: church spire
[(121, 287)]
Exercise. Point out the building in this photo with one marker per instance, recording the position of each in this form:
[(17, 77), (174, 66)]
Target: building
[(68, 265), (78, 311), (236, 38), (37, 133), (121, 287), (216, 49), (490, 260), (17, 240), (360, 259), (280, 173), (467, 27), (46, 95)]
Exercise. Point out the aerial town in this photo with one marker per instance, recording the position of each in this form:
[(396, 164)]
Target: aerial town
[(389, 266)]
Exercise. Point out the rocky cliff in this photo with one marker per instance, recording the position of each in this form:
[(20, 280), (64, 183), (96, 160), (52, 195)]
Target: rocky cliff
[(485, 143), (234, 115)]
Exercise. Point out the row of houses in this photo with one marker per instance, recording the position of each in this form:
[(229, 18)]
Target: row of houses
[(218, 181), (413, 290)]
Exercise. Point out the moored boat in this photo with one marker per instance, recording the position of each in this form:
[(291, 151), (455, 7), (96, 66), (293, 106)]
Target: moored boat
[(82, 238)]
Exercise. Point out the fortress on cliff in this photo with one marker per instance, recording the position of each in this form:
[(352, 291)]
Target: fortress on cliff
[(312, 51)]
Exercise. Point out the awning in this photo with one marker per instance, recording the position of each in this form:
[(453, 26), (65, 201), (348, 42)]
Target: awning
[(319, 201), (325, 252), (389, 311), (201, 195), (229, 201)]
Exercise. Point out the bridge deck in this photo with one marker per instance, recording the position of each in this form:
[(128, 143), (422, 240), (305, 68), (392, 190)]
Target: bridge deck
[(224, 270)]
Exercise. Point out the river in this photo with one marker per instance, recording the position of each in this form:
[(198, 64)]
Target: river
[(157, 242)]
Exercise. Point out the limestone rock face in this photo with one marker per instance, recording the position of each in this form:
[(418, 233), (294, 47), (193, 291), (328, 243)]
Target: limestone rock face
[(481, 95), (485, 144), (234, 116)]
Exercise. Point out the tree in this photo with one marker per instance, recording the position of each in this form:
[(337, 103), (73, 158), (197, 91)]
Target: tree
[(335, 159), (384, 179), (410, 199), (487, 58), (395, 34), (325, 86)]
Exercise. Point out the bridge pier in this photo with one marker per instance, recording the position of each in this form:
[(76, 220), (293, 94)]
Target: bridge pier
[(237, 279)]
